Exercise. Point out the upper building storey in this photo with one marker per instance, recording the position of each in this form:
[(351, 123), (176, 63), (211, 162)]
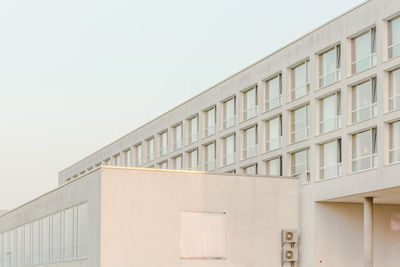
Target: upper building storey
[(275, 112)]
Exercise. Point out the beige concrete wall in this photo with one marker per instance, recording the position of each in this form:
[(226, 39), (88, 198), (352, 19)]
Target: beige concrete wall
[(140, 216), (339, 235)]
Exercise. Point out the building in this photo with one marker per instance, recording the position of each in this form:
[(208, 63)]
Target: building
[(326, 109), (115, 216), (327, 105)]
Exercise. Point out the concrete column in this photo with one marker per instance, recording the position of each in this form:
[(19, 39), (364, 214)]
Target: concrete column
[(368, 232)]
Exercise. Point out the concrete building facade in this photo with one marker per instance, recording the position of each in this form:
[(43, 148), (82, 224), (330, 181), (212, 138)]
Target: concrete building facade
[(324, 109), (145, 217)]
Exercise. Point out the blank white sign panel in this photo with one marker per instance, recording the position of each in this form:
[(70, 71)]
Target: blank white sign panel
[(203, 235)]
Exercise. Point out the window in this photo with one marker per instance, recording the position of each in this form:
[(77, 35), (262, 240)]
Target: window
[(178, 162), (56, 237), (36, 242), (274, 166), (394, 142), (68, 234), (45, 240), (229, 112), (300, 128), (364, 150), (301, 163), (163, 165), (394, 90), (127, 158), (138, 155), (229, 150), (210, 116), (394, 37), (251, 170), (364, 100), (330, 113), (273, 92), (107, 162), (193, 160), (210, 163), (27, 244), (331, 159), (203, 235), (177, 136), (300, 80), (150, 149), (329, 67), (250, 142), (19, 249), (250, 103), (117, 160), (163, 143), (273, 133), (363, 51), (82, 245), (193, 130)]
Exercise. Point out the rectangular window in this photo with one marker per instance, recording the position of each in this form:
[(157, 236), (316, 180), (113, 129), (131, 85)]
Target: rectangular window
[(178, 137), (274, 166), (229, 150), (19, 242), (273, 133), (250, 142), (211, 119), (364, 101), (178, 163), (394, 142), (301, 163), (300, 127), (331, 159), (330, 117), (117, 160), (163, 165), (203, 235), (252, 169), (329, 67), (363, 51), (36, 242), (300, 80), (273, 93), (394, 90), (138, 155), (394, 37), (56, 237), (250, 103), (364, 150), (82, 231), (27, 244), (150, 149), (193, 130), (193, 162), (229, 112), (127, 158), (211, 154), (45, 229), (68, 234), (163, 143)]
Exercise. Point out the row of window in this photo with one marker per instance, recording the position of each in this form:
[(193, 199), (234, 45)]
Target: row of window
[(363, 97), (61, 236), (364, 155)]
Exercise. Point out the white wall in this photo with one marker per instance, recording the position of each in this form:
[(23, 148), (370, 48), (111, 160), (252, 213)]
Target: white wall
[(140, 215)]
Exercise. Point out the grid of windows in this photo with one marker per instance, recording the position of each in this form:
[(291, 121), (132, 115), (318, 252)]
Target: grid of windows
[(61, 236), (294, 126)]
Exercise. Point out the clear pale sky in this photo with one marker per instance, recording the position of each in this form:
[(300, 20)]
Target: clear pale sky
[(76, 75)]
